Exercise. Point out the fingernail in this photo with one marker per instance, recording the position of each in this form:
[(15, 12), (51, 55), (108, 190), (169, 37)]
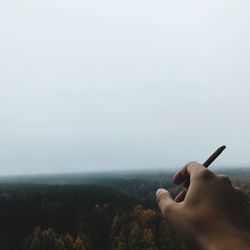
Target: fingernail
[(159, 191)]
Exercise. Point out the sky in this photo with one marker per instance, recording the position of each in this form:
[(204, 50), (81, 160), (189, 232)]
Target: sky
[(110, 85)]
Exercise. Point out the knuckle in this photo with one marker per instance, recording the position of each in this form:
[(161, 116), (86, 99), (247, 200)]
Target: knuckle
[(165, 203), (161, 197), (238, 191), (224, 179), (167, 208), (191, 163), (204, 174)]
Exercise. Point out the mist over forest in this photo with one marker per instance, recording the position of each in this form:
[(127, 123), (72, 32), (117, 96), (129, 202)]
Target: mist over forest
[(91, 211)]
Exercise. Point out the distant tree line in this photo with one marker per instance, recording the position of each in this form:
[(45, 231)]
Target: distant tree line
[(86, 217)]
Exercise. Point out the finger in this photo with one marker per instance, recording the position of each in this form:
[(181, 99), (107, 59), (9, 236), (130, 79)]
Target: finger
[(241, 194), (184, 174), (165, 202), (224, 179), (181, 196), (239, 191), (237, 188)]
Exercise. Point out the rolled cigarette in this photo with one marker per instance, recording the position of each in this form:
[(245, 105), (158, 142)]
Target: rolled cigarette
[(213, 156), (208, 162)]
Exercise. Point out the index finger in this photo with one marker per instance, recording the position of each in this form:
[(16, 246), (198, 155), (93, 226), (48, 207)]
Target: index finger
[(187, 171)]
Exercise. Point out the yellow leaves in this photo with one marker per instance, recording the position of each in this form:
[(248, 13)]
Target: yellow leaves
[(60, 245), (47, 239), (133, 230), (34, 244), (148, 234), (143, 229), (139, 229)]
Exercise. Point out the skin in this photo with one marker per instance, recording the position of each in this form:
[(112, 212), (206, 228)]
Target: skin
[(210, 214)]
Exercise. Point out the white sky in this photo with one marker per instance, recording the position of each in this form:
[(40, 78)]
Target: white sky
[(95, 85)]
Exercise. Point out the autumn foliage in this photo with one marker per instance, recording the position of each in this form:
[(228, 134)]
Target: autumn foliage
[(137, 229), (112, 214)]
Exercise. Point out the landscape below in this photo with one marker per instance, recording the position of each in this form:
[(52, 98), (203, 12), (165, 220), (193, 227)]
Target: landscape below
[(91, 211)]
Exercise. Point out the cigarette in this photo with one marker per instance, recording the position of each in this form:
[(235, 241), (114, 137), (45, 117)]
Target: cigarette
[(209, 161), (213, 156)]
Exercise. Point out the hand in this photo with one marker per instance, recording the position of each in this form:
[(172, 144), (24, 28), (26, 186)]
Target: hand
[(210, 213)]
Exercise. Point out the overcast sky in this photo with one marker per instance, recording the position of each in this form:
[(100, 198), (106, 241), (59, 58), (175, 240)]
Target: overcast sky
[(97, 85)]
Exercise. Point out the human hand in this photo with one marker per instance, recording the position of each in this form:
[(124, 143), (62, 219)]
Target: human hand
[(210, 213)]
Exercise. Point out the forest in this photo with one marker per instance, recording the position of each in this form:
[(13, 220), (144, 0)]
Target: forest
[(98, 212)]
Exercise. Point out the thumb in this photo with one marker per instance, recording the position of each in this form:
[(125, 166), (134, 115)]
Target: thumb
[(165, 202)]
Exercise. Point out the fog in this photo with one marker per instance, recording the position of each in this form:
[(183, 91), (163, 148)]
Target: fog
[(111, 85)]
